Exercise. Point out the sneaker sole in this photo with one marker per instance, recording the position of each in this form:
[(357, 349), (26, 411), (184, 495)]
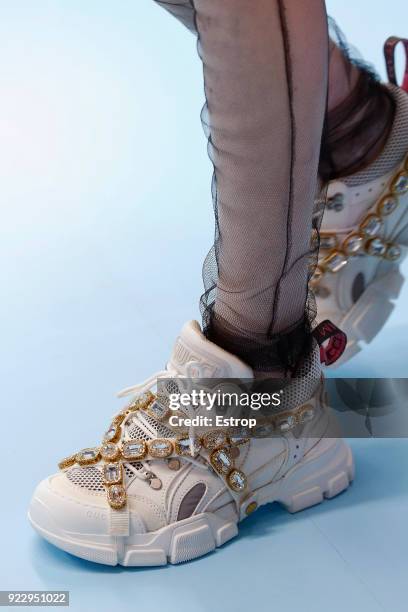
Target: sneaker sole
[(323, 473), (370, 313)]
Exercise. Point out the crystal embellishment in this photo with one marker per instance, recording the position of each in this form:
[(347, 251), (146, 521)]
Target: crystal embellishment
[(221, 461), (237, 480), (87, 456), (109, 451), (287, 423), (393, 252), (134, 450), (158, 410), (328, 241), (353, 244), (240, 438), (387, 205), (184, 448), (113, 433), (160, 448), (400, 183), (371, 226), (112, 473), (306, 415), (117, 496), (376, 247), (335, 262)]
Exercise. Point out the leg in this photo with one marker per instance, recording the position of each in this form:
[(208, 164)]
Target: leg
[(265, 68), (360, 109), (265, 71)]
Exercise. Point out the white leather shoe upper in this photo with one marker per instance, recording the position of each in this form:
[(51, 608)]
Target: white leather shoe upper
[(356, 289), (163, 491)]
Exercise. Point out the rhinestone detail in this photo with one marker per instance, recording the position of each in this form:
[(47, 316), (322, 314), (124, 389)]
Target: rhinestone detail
[(335, 262), (353, 244), (109, 451), (113, 433), (158, 410), (221, 460), (371, 226), (400, 183), (237, 480), (393, 252), (160, 448), (182, 447), (134, 450), (287, 423), (306, 415), (328, 241), (88, 456), (387, 205), (376, 247), (112, 473), (116, 496)]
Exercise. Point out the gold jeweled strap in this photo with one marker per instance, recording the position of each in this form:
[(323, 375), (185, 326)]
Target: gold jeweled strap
[(366, 238), (222, 449)]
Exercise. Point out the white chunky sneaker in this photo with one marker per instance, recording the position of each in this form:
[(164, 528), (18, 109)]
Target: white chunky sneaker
[(364, 236), (148, 497)]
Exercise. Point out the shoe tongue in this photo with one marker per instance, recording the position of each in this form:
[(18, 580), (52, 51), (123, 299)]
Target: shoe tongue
[(194, 356)]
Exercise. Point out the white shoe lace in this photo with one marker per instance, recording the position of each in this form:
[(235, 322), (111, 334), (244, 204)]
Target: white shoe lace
[(148, 385)]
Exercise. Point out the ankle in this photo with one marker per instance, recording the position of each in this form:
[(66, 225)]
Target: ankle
[(269, 356)]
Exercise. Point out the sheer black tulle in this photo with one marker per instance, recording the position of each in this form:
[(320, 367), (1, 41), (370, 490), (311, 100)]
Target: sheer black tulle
[(256, 302), (282, 350), (286, 350), (263, 117), (356, 129)]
